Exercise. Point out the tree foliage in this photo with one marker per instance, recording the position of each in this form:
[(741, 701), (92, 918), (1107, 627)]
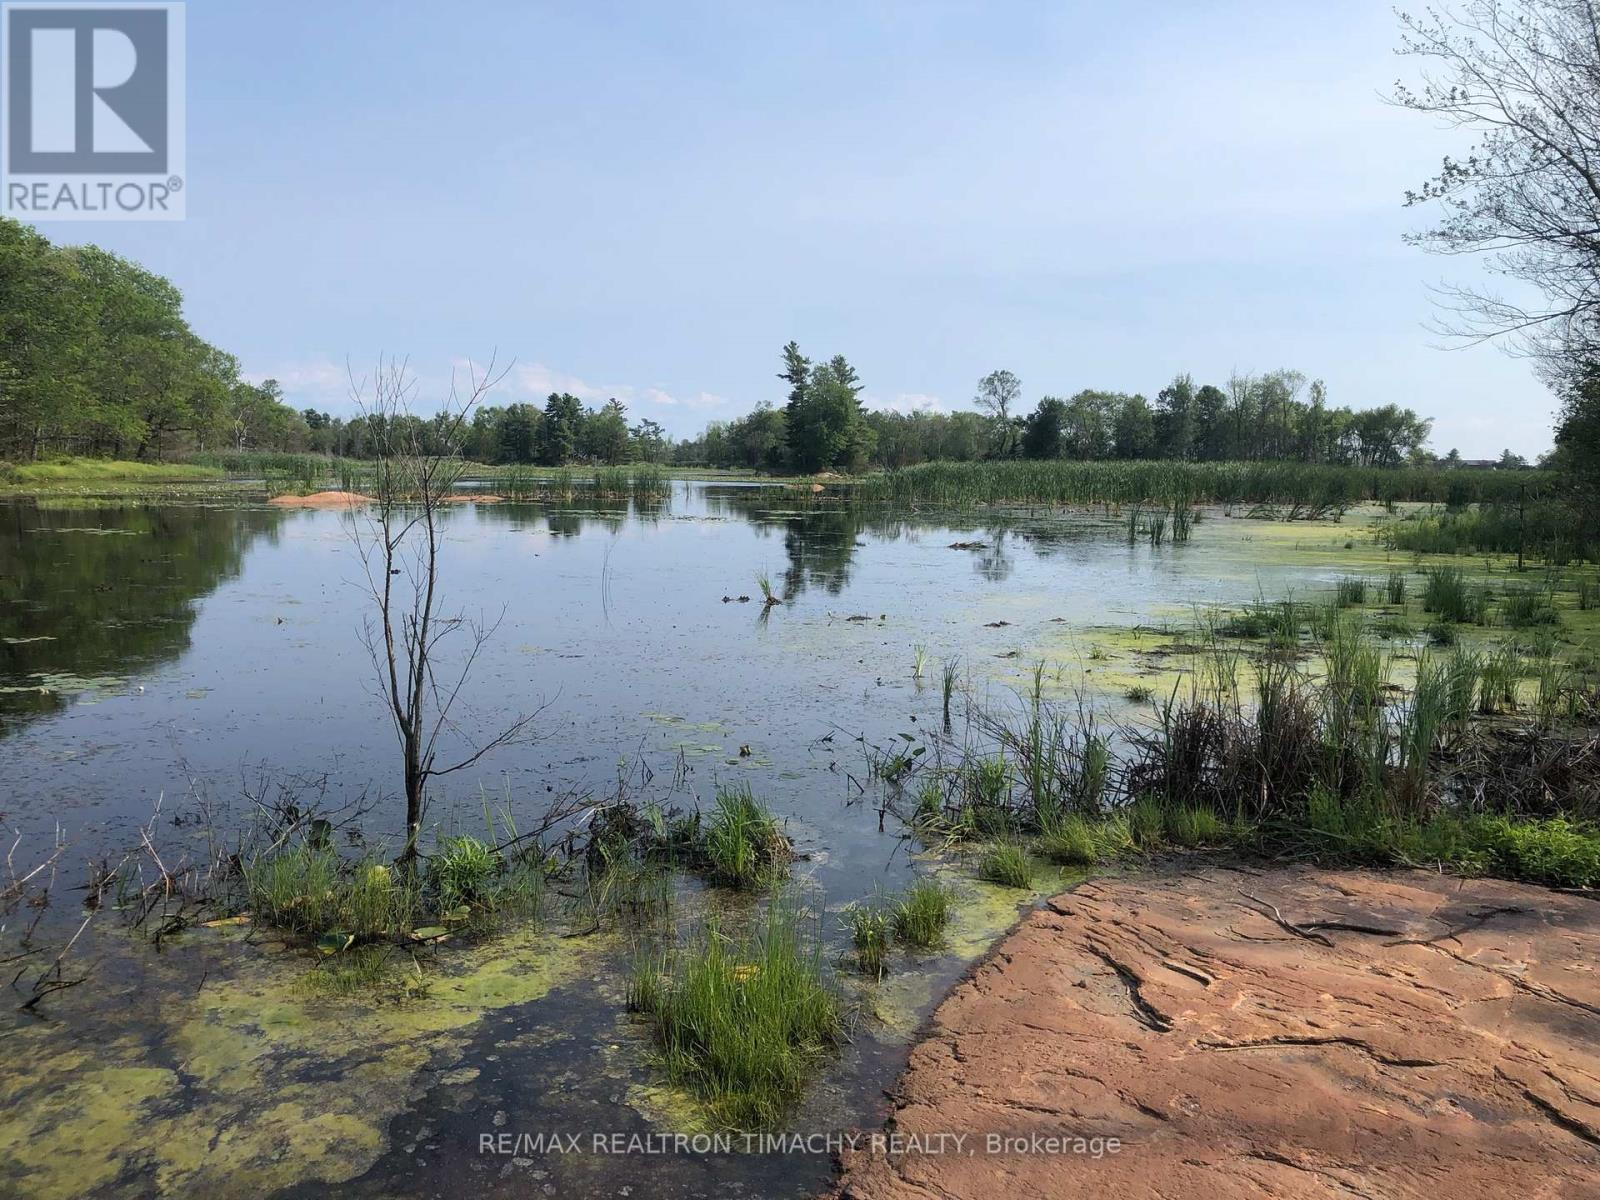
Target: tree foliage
[(1522, 77), (97, 358)]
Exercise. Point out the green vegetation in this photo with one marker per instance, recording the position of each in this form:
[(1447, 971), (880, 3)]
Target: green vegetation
[(97, 472), (1535, 524), (463, 870), (1279, 489), (742, 1022), (1006, 863), (869, 935), (920, 915), (1257, 418), (742, 846), (1350, 592), (99, 361), (1313, 742), (310, 889), (1449, 593)]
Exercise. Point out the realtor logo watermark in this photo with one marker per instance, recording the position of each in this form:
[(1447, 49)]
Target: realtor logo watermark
[(93, 128)]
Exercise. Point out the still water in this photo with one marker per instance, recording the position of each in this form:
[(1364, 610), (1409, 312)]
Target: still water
[(158, 656)]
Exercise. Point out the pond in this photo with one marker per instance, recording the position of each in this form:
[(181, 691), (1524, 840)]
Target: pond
[(158, 659)]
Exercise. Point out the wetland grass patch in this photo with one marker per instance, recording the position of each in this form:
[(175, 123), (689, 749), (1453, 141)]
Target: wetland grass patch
[(921, 913), (743, 1022), (1007, 864), (742, 845)]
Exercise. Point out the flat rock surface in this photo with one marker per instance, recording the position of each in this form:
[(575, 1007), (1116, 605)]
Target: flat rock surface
[(1260, 1034)]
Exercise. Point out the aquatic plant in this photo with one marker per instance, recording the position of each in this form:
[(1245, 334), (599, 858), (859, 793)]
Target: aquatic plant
[(1069, 840), (919, 660), (308, 888), (743, 1022), (742, 845), (764, 584), (1006, 863), (1304, 490), (462, 870), (1448, 593), (1350, 592), (1395, 587), (1521, 607), (947, 685), (1183, 519), (921, 913), (869, 937), (1497, 678)]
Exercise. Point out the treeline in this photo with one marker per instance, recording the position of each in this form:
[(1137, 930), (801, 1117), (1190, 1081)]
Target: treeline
[(1274, 417), (97, 359), (561, 432)]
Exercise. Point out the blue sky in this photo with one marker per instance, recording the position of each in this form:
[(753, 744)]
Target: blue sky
[(648, 200)]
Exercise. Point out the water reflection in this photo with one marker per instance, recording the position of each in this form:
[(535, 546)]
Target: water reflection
[(92, 593)]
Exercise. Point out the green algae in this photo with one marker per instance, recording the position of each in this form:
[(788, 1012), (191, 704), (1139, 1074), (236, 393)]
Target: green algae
[(898, 1004), (250, 1084)]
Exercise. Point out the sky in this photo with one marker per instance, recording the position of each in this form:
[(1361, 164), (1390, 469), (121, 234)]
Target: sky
[(648, 200)]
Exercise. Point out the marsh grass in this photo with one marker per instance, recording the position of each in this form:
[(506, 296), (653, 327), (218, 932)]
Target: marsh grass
[(1357, 670), (463, 870), (1498, 677), (1350, 592), (309, 889), (921, 913), (1522, 607), (742, 846), (1069, 840), (1453, 597), (1293, 490), (764, 584), (868, 923), (1394, 588), (369, 971), (1006, 863), (947, 685), (743, 1022)]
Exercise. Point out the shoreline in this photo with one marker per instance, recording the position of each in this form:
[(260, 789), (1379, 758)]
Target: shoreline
[(1239, 1032)]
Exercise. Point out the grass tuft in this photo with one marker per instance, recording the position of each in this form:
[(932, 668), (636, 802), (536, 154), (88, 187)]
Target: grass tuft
[(743, 1022)]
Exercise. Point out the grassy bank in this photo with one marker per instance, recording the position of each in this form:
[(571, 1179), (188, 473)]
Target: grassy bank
[(1332, 731), (1292, 489), (72, 474)]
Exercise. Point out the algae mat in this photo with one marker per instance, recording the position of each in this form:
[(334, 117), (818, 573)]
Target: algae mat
[(246, 1082)]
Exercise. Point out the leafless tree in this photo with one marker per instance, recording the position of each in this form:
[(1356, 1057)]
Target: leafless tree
[(1523, 76), (399, 537)]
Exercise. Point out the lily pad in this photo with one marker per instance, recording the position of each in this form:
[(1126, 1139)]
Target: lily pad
[(429, 933), (334, 942)]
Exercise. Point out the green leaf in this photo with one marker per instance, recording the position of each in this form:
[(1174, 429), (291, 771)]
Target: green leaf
[(335, 941)]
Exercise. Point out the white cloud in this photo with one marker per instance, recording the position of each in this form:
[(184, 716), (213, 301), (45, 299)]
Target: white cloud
[(906, 402), (317, 377), (537, 381)]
